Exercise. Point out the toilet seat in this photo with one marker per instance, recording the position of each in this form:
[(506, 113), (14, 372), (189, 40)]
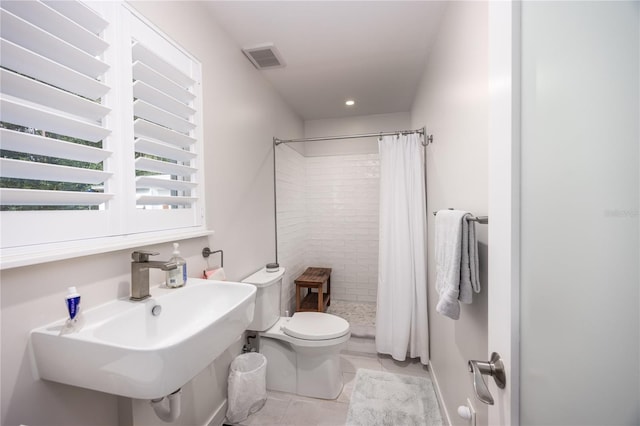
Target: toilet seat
[(315, 326), (277, 332)]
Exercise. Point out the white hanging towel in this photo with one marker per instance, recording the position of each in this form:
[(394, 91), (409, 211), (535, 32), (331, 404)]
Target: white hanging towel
[(456, 252)]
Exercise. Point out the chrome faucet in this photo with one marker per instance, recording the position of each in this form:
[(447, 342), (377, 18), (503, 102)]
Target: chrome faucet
[(140, 272)]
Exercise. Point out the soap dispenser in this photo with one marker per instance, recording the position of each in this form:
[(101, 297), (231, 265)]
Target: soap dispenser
[(177, 277)]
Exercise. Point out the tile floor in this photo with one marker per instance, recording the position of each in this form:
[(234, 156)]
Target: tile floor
[(285, 409)]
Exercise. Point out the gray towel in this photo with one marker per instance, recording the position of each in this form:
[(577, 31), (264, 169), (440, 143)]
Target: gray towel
[(456, 254), (469, 274)]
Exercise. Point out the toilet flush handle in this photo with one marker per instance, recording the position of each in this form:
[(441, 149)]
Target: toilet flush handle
[(494, 368)]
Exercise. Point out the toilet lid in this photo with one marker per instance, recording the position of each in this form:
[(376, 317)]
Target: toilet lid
[(315, 326)]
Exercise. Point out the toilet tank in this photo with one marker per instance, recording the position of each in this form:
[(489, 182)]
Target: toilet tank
[(267, 310)]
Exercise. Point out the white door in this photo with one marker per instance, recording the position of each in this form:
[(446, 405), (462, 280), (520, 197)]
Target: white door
[(579, 219), (564, 197), (504, 172)]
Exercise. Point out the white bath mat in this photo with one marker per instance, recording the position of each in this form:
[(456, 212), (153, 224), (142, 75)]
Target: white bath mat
[(382, 398)]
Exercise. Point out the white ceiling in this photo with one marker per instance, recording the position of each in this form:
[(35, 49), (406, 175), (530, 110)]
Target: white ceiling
[(371, 51)]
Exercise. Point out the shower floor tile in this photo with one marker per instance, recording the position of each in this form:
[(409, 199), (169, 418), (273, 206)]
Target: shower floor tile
[(360, 315)]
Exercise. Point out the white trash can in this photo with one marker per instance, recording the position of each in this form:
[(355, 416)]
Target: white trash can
[(247, 387)]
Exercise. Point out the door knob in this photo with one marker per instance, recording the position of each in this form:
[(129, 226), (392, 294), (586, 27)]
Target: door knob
[(493, 368)]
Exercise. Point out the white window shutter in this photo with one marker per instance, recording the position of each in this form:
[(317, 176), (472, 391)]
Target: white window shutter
[(167, 131), (100, 125), (52, 118)]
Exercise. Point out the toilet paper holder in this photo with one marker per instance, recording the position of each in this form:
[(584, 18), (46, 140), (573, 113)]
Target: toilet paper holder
[(493, 368)]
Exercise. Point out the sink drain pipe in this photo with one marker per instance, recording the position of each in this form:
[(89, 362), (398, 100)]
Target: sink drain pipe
[(168, 414)]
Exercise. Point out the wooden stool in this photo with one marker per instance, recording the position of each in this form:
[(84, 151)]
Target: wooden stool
[(314, 278)]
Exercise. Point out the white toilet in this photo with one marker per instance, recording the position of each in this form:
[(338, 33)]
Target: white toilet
[(302, 351)]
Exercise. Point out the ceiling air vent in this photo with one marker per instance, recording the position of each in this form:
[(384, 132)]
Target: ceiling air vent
[(264, 56)]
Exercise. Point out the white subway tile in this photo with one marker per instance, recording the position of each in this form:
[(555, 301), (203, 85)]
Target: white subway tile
[(328, 216)]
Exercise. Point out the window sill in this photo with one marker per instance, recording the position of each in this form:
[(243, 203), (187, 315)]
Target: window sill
[(36, 254)]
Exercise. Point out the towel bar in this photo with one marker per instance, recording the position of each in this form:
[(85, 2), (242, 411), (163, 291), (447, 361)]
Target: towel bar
[(480, 219), (206, 252)]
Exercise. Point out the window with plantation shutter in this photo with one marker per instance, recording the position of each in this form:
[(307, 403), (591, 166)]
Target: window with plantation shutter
[(52, 118), (165, 90), (100, 129), (163, 129)]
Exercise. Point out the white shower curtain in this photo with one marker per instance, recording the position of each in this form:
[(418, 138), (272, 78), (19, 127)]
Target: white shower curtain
[(401, 315)]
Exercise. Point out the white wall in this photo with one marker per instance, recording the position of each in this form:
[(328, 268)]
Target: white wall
[(328, 209), (292, 221), (452, 102), (241, 115), (343, 190), (351, 126), (580, 324), (343, 210), (328, 196)]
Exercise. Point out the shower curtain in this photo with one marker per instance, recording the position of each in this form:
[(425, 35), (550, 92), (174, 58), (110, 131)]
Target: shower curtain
[(401, 314)]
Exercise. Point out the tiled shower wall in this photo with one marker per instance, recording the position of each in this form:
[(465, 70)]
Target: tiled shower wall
[(342, 194), (329, 218), (292, 220)]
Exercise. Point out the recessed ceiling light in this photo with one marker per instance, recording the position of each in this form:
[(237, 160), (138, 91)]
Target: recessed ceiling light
[(350, 102)]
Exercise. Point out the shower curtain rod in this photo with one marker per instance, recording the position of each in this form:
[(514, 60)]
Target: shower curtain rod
[(422, 131)]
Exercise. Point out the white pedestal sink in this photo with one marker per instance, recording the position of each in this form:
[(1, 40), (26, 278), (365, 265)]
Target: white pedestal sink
[(124, 349)]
